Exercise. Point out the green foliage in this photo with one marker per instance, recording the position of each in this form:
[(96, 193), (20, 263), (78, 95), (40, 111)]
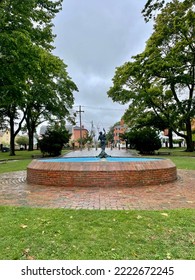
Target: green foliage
[(145, 140), (85, 139), (32, 79), (22, 140), (160, 80), (150, 8), (153, 6), (110, 134), (50, 94), (53, 141)]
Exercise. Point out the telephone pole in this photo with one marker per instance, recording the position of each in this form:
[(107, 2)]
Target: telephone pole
[(81, 138)]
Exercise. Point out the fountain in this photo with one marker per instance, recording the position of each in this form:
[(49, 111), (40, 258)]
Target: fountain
[(101, 171)]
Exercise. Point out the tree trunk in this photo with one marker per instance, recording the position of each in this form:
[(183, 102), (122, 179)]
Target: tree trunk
[(12, 137), (170, 138), (31, 127), (13, 133), (189, 142), (31, 139)]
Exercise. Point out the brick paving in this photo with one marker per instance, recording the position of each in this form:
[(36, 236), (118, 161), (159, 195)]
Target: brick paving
[(14, 191)]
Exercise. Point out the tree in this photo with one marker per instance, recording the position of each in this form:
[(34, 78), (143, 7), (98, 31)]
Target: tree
[(161, 79), (50, 94), (110, 134), (153, 6), (19, 62), (24, 27), (172, 60), (22, 141)]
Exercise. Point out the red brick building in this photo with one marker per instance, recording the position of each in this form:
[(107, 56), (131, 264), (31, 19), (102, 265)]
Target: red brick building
[(76, 134), (119, 129)]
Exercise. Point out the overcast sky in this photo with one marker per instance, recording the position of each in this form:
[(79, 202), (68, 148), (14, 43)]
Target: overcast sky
[(93, 38)]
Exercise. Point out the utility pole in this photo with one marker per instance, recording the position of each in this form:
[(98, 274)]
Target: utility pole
[(93, 133), (81, 138)]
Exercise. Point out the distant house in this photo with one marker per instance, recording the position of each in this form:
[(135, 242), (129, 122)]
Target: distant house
[(119, 129), (77, 132), (4, 138)]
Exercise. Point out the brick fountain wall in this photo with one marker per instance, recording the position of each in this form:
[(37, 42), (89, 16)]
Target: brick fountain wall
[(102, 173)]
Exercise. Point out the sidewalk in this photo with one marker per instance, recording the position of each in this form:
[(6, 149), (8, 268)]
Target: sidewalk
[(14, 191), (94, 153)]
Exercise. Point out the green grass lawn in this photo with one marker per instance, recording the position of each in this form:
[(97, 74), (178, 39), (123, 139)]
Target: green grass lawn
[(183, 162), (27, 233), (18, 162), (182, 159), (20, 155), (178, 152)]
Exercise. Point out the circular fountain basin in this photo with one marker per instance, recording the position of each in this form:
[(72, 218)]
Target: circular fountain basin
[(106, 172)]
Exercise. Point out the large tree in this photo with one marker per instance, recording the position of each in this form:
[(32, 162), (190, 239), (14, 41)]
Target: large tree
[(50, 93), (161, 78), (25, 33)]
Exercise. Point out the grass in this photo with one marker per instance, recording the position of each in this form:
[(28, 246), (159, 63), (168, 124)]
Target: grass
[(178, 152), (181, 158), (18, 162), (17, 165), (183, 162), (20, 155), (27, 233)]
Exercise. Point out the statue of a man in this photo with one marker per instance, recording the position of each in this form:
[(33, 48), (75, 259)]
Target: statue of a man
[(102, 139)]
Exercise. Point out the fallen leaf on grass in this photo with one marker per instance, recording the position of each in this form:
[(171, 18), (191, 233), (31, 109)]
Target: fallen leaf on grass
[(168, 256), (26, 251), (26, 254), (23, 226), (164, 214), (30, 258), (139, 217)]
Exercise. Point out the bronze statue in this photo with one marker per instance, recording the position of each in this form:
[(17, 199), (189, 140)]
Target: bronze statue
[(102, 139)]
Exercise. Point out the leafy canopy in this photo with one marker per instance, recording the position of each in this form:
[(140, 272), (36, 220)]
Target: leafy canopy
[(160, 80)]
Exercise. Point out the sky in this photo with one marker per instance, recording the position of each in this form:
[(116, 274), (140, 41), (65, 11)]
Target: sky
[(93, 37)]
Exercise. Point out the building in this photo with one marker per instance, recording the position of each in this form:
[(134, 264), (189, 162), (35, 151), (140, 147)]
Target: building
[(4, 138), (77, 133), (119, 129)]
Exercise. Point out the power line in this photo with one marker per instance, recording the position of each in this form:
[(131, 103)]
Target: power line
[(103, 108)]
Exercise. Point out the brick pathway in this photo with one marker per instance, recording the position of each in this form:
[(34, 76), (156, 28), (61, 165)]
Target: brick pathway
[(180, 194)]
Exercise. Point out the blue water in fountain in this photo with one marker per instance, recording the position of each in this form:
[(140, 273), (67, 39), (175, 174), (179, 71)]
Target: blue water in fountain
[(94, 159)]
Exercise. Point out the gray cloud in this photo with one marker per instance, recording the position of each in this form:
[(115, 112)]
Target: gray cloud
[(94, 37)]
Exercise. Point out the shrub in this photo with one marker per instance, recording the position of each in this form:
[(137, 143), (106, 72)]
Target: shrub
[(145, 140), (53, 141)]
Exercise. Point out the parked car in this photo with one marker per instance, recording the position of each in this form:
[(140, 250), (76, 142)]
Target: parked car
[(5, 149)]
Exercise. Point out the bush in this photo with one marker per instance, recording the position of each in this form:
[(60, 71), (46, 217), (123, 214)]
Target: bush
[(53, 141), (145, 140)]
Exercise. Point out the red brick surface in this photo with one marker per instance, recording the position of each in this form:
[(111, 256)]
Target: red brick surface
[(14, 191), (95, 174)]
